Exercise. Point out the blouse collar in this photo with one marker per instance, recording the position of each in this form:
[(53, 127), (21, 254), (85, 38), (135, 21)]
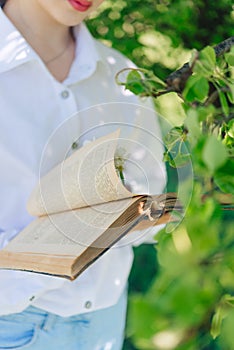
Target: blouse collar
[(14, 49)]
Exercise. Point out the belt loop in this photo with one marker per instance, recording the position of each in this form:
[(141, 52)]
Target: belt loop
[(49, 322)]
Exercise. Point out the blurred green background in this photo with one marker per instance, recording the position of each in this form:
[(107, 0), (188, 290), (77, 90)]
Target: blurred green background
[(159, 35)]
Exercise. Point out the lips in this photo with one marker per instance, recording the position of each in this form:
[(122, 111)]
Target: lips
[(80, 5)]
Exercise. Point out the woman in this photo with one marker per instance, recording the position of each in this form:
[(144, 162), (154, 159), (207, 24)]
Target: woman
[(57, 87)]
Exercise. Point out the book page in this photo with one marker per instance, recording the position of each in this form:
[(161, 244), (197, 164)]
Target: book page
[(86, 178), (70, 232)]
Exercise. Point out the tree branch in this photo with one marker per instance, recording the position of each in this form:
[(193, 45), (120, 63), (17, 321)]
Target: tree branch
[(176, 80)]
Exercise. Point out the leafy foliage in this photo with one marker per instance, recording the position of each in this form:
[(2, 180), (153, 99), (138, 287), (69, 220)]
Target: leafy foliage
[(188, 24), (191, 300), (181, 296)]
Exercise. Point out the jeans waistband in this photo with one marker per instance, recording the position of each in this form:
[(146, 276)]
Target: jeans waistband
[(43, 318)]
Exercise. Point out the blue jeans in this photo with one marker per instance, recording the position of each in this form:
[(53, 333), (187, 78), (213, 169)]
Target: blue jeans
[(35, 329)]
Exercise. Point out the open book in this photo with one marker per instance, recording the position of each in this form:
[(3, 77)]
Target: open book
[(82, 209)]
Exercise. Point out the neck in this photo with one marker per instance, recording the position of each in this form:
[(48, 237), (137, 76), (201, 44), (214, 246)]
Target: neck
[(44, 34)]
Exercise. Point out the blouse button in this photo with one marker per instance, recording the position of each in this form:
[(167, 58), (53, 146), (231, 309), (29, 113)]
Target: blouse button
[(88, 304), (65, 94), (74, 145)]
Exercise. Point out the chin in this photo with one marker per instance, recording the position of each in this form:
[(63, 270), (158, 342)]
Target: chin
[(71, 21)]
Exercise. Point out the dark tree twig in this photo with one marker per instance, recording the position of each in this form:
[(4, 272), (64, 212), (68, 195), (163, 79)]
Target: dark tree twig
[(177, 80)]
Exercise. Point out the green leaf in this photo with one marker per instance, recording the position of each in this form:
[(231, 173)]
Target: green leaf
[(205, 65), (229, 299), (224, 103), (207, 55), (230, 58), (174, 135), (197, 88), (214, 154), (134, 82), (221, 313), (152, 77), (230, 93), (231, 128), (177, 153), (225, 183), (217, 322), (201, 70)]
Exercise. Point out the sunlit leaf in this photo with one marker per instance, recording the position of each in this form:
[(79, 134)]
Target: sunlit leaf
[(231, 128), (207, 56), (230, 58), (230, 93), (224, 103), (217, 322), (205, 64)]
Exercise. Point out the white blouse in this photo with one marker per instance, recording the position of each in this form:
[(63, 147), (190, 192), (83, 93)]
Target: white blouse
[(40, 119)]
